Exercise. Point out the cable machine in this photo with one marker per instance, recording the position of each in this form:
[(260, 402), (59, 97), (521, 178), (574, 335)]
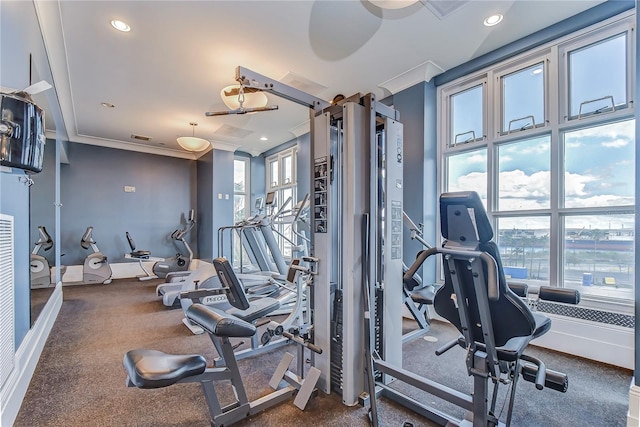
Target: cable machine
[(356, 167), (359, 145)]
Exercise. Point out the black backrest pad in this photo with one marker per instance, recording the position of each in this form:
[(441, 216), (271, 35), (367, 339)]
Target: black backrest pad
[(510, 316), (132, 244), (231, 284), (451, 210)]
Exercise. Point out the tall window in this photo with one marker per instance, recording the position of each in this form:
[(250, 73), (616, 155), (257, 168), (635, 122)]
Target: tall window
[(281, 179), (241, 206), (555, 169)]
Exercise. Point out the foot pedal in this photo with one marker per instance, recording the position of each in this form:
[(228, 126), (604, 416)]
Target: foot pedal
[(308, 385), (278, 375), (237, 345)]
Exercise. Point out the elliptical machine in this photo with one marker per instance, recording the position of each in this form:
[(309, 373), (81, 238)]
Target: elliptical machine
[(178, 262), (40, 268), (96, 268)]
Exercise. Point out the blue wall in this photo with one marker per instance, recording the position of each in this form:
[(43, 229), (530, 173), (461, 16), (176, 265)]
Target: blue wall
[(417, 107), (14, 201), (205, 206), (92, 187), (20, 36), (215, 199)]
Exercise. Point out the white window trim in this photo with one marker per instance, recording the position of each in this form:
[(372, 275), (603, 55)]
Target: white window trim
[(247, 184)]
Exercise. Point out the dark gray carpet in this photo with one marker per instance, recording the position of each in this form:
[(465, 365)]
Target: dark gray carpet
[(80, 381)]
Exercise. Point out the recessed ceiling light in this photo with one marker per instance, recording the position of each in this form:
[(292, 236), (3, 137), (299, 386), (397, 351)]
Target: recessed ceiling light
[(107, 105), (493, 20), (120, 25), (264, 138)]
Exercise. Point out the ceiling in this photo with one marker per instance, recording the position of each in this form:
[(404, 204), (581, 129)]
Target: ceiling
[(170, 68)]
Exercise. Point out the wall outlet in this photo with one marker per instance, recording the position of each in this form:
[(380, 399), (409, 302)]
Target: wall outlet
[(219, 196), (129, 189), (226, 197)]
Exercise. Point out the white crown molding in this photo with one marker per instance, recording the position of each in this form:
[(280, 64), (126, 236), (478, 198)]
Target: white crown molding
[(218, 145), (139, 148), (254, 153), (423, 72), (302, 129)]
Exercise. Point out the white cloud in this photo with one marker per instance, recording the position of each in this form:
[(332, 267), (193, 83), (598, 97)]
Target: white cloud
[(616, 143), (574, 184), (474, 181)]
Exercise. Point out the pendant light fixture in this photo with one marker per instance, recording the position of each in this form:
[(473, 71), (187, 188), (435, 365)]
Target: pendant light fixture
[(242, 100), (393, 4), (193, 143), (253, 98)]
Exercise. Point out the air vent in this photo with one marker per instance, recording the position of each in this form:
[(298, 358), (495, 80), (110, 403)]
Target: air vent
[(140, 137), (232, 132), (443, 8), (7, 329)]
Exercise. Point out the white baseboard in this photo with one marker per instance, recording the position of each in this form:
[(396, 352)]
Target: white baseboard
[(26, 359), (592, 340), (122, 270)]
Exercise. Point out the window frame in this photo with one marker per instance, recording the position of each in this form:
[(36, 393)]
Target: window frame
[(446, 106), (247, 185), (556, 124), (626, 25), (281, 188)]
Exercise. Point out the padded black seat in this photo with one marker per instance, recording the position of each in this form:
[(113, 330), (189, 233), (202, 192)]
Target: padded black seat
[(218, 322), (424, 295), (136, 253), (155, 369), (543, 324)]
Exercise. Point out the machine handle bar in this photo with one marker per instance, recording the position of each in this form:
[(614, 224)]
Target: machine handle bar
[(302, 342)]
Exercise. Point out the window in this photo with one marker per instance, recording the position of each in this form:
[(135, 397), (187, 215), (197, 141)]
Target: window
[(599, 166), (597, 76), (556, 169), (241, 205), (281, 176), (466, 115), (524, 174), (468, 171), (523, 99)]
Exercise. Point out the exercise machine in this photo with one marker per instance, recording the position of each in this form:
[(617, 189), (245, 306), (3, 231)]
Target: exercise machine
[(417, 296), (39, 265), (141, 256), (179, 262), (96, 268), (295, 291), (496, 326), (155, 369)]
